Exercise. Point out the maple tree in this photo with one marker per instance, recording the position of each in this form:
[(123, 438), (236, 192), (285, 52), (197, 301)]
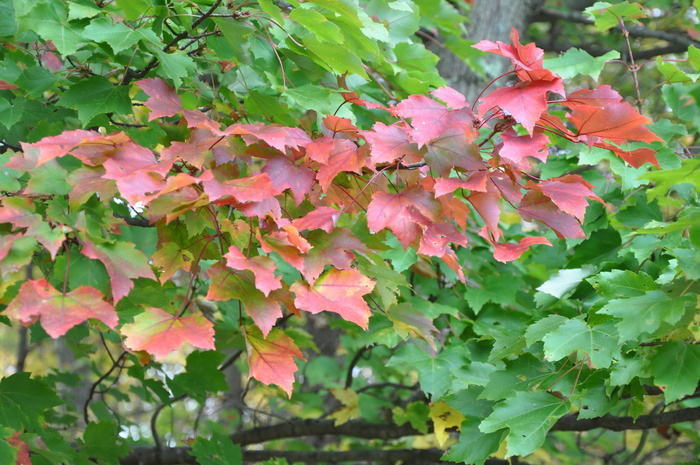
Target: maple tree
[(195, 195)]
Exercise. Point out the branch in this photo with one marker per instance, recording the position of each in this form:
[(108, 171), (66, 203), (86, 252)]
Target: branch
[(573, 423), (548, 14), (179, 455), (361, 429), (132, 221)]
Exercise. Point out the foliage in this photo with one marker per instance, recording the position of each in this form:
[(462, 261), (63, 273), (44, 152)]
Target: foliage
[(288, 189)]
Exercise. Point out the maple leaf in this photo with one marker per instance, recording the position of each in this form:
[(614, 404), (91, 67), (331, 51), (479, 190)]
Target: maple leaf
[(59, 312), (536, 206), (4, 85), (516, 148), (195, 151), (430, 119), (338, 291), (525, 101), (123, 263), (452, 149), (569, 193), (344, 156), (129, 158), (436, 238), (170, 258), (249, 189), (60, 145), (284, 174), (331, 249), (159, 333), (21, 447), (86, 182), (321, 218), (486, 204), (263, 269), (271, 359), (241, 285), (339, 125), (636, 157), (525, 58), (507, 252), (618, 123), (390, 210), (391, 143), (163, 101), (602, 96), (475, 182), (279, 242), (279, 137), (451, 97), (19, 212)]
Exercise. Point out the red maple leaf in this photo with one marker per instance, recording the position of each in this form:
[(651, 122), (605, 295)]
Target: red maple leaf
[(87, 181), (274, 135), (536, 206), (159, 333), (322, 218), (618, 123), (123, 263), (338, 291), (338, 125), (227, 284), (486, 204), (343, 156), (170, 258), (603, 96), (451, 97), (516, 148), (163, 100), (475, 182), (271, 359), (286, 174), (430, 119), (391, 143), (59, 312), (249, 189), (525, 101), (525, 58), (636, 157), (389, 210), (569, 193), (21, 447), (507, 252), (4, 85), (263, 269), (452, 149), (19, 212), (333, 249), (436, 238)]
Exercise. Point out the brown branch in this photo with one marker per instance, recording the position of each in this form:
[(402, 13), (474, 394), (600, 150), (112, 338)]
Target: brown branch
[(132, 221), (549, 14), (180, 455), (365, 430), (573, 423)]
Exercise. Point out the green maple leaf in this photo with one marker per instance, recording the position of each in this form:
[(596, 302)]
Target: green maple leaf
[(599, 342), (96, 95), (23, 401), (677, 367), (103, 443), (528, 416), (643, 315)]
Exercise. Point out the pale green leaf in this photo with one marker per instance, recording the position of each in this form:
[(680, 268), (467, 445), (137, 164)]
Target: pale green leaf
[(528, 416)]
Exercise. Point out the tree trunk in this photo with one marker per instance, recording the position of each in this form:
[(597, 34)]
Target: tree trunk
[(490, 20)]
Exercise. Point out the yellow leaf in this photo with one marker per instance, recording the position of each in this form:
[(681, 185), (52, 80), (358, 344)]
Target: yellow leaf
[(444, 417), (349, 399)]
